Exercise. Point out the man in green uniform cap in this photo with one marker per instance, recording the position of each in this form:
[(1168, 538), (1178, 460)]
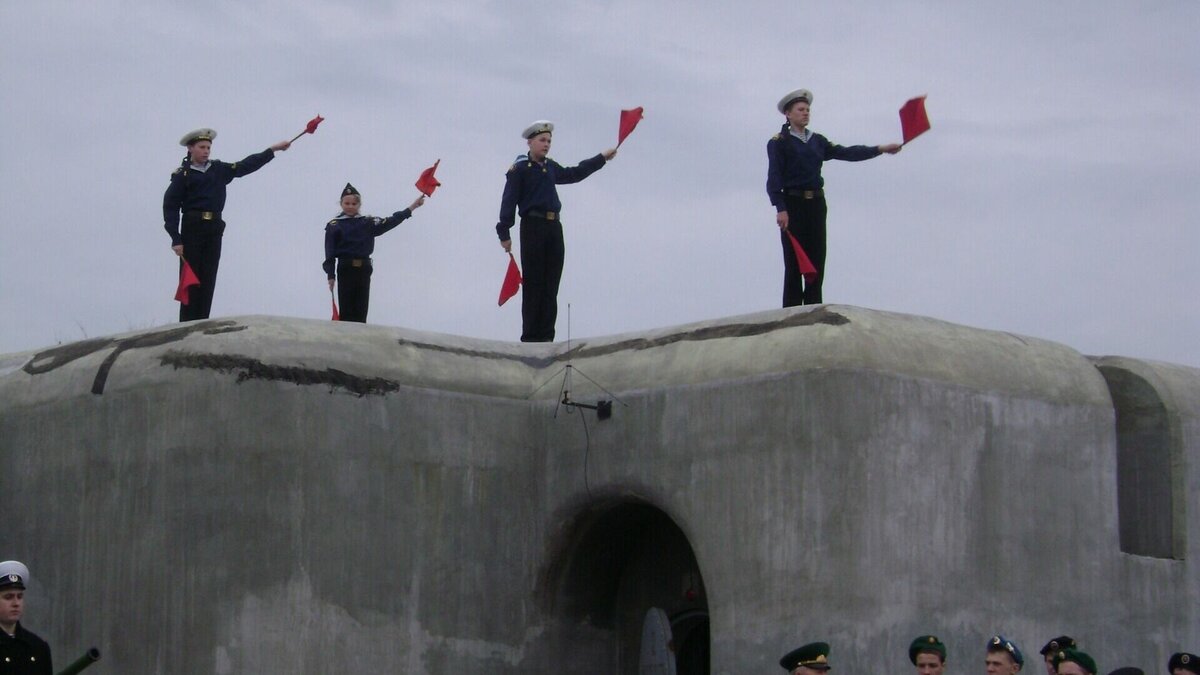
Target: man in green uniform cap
[(1071, 661), (811, 659), (928, 654)]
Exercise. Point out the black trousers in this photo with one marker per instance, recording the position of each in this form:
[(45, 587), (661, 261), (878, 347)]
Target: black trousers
[(542, 254), (354, 289), (202, 249), (806, 221)]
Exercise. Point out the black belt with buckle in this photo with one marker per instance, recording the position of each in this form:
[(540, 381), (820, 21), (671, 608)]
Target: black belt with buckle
[(548, 215), (204, 215), (355, 262), (803, 194)]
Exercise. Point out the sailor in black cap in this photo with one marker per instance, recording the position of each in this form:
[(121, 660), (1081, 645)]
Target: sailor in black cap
[(1051, 649), (928, 654), (796, 189), (21, 652), (529, 190), (810, 659), (197, 191), (1003, 657), (1183, 663), (349, 242)]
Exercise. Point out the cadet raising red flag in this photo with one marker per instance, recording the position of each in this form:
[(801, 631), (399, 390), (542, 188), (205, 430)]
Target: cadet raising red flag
[(311, 128), (913, 120), (629, 120), (427, 183)]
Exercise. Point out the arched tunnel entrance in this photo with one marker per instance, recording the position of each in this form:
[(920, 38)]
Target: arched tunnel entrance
[(619, 565)]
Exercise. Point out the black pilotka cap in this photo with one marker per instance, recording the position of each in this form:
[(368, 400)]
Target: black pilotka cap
[(350, 190), (1060, 642)]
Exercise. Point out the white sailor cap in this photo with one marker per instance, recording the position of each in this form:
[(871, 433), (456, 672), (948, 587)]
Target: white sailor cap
[(798, 95), (198, 135), (538, 127), (13, 573)]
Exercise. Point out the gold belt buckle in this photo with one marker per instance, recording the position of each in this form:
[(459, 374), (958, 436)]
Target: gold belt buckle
[(206, 215), (550, 215), (809, 194), (357, 262)]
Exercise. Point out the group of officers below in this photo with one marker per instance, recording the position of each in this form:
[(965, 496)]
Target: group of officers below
[(24, 653), (194, 203), (1062, 656)]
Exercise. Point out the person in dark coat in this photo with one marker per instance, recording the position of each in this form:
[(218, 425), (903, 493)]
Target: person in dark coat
[(192, 207), (21, 652), (349, 243), (529, 190), (797, 191)]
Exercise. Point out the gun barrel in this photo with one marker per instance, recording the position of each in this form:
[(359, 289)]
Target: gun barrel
[(89, 657)]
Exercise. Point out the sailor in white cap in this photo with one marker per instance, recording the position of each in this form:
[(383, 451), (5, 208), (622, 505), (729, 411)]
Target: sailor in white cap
[(21, 651), (796, 190), (529, 191), (197, 192)]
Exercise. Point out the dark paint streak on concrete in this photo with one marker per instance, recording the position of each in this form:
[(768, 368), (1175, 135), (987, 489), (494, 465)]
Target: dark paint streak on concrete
[(57, 357), (820, 316), (253, 369)]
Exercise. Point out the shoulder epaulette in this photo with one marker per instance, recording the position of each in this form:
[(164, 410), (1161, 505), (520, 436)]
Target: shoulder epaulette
[(178, 170), (775, 137)]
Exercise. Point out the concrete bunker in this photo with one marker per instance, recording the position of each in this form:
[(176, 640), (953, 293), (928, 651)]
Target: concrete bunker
[(618, 560)]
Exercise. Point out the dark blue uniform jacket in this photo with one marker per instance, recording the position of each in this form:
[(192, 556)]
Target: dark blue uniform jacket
[(529, 186), (354, 236), (793, 164), (192, 190)]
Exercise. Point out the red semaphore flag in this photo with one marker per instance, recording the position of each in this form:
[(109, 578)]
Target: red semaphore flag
[(310, 128), (806, 267), (187, 279), (629, 120), (427, 183), (512, 280), (332, 301), (913, 119)]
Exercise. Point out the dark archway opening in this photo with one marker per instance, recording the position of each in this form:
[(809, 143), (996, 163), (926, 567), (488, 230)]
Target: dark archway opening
[(616, 562)]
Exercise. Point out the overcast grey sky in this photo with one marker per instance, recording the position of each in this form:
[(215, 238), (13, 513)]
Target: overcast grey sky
[(1054, 197)]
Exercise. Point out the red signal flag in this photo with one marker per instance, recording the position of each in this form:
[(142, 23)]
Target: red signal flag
[(806, 267), (312, 124), (512, 280), (187, 279), (336, 315), (913, 119), (427, 183), (629, 120)]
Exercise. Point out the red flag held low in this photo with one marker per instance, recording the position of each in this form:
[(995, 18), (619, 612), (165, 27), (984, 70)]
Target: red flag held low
[(336, 315), (913, 120), (629, 120), (187, 279), (427, 183), (512, 280), (806, 267)]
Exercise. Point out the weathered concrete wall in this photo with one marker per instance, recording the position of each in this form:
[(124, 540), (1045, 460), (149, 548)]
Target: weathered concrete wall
[(272, 495)]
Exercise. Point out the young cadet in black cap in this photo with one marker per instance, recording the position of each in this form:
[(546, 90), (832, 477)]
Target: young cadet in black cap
[(810, 659), (529, 190), (1183, 663), (1051, 649), (796, 189), (349, 241), (21, 652), (928, 654), (1071, 661), (197, 191), (1003, 657)]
